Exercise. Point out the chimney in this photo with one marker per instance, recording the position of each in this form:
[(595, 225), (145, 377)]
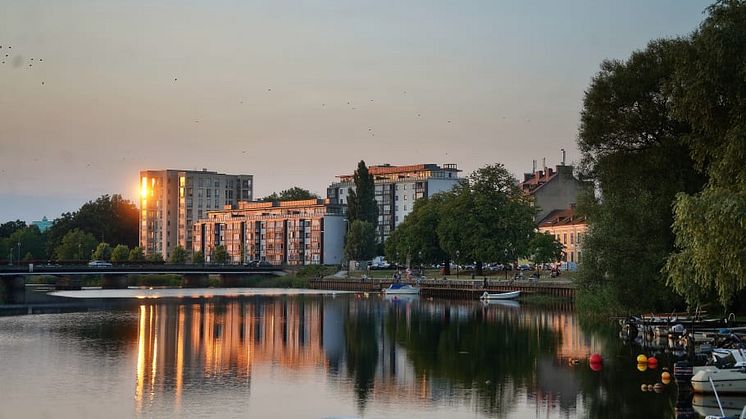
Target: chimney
[(544, 164), (563, 156), (534, 166)]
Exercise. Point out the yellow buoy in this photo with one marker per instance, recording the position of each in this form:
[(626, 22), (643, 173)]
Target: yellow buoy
[(665, 377), (642, 359), (642, 367)]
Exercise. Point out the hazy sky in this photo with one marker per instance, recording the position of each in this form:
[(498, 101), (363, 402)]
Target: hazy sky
[(136, 84)]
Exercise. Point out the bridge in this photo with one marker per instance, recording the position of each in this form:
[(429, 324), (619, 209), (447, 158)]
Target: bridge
[(115, 276)]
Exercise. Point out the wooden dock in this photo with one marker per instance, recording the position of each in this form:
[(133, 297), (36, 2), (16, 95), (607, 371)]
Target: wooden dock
[(453, 289)]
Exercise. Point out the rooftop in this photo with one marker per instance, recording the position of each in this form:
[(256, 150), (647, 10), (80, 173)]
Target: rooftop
[(562, 217)]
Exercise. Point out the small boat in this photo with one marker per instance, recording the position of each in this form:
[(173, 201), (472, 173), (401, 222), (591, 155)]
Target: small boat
[(726, 380), (400, 289), (512, 295), (504, 303)]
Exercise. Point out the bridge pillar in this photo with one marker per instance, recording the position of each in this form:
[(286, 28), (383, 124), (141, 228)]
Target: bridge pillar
[(13, 289), (233, 280), (114, 281), (195, 281), (68, 282)]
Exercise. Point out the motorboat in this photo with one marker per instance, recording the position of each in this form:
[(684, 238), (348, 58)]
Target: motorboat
[(400, 289), (726, 372), (512, 295)]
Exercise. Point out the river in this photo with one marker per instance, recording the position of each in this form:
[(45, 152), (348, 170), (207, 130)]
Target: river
[(268, 354)]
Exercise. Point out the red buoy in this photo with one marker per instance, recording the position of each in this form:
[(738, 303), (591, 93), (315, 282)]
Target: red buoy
[(652, 362), (595, 359)]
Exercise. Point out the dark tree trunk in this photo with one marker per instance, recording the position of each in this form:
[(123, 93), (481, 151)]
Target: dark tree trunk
[(446, 267)]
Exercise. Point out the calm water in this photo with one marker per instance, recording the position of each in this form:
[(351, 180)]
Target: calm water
[(317, 356)]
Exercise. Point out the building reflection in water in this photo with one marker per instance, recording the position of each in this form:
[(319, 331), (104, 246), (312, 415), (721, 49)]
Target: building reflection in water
[(377, 351)]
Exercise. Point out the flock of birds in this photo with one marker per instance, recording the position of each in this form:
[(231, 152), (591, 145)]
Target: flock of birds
[(17, 60)]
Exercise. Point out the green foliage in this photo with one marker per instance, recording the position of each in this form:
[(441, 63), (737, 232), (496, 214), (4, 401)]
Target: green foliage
[(155, 258), (31, 241), (487, 218), (293, 194), (314, 271), (220, 254), (633, 149), (709, 93), (179, 255), (6, 229), (120, 253), (136, 254), (544, 248), (361, 202), (198, 257), (75, 245), (103, 252), (360, 242), (416, 239), (108, 218)]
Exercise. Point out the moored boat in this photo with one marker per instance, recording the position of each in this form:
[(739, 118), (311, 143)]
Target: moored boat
[(512, 295), (725, 381), (400, 289)]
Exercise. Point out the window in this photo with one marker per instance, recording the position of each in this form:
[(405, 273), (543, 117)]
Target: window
[(572, 238), (579, 235), (209, 192), (564, 238), (405, 197), (405, 208)]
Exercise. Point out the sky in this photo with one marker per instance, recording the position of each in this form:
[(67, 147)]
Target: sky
[(295, 93)]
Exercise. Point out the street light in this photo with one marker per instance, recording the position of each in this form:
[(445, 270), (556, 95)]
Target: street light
[(457, 254), (10, 258), (19, 252)]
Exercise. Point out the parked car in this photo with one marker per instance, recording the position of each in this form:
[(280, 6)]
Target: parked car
[(264, 264), (99, 264), (524, 268)]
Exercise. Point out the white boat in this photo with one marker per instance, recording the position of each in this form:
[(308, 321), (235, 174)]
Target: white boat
[(709, 405), (504, 303), (400, 289), (512, 295), (724, 359), (725, 380)]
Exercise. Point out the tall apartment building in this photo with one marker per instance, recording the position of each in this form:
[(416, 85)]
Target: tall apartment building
[(397, 187), (172, 200), (307, 232)]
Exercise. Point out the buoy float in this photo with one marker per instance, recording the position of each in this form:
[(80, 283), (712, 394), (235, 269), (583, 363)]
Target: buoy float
[(658, 388), (642, 366), (595, 358), (666, 377), (652, 362), (642, 359), (644, 387)]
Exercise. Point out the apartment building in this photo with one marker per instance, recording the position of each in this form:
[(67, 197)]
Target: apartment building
[(568, 228), (172, 200), (397, 188), (307, 232), (552, 189)]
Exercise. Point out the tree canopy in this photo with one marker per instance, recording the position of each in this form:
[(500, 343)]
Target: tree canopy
[(360, 243), (292, 194), (709, 89), (361, 202), (416, 239), (544, 248), (76, 245)]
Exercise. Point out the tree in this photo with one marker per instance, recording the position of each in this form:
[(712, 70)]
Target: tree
[(633, 150), (6, 229), (136, 254), (155, 258), (293, 194), (360, 242), (120, 253), (486, 218), (708, 91), (416, 239), (31, 241), (361, 202), (75, 245), (545, 248), (28, 257), (198, 257), (220, 254), (103, 252), (108, 218), (179, 255)]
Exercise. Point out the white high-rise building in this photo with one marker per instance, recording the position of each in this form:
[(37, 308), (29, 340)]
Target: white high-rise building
[(397, 187), (172, 200)]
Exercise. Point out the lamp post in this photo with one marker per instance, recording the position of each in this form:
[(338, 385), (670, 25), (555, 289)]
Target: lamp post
[(19, 252), (10, 258), (457, 255)]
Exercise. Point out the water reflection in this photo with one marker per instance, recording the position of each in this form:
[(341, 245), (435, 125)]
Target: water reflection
[(489, 359)]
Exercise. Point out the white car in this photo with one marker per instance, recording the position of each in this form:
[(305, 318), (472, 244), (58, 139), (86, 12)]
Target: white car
[(99, 264)]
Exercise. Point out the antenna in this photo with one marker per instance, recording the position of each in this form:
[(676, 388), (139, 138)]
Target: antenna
[(563, 156)]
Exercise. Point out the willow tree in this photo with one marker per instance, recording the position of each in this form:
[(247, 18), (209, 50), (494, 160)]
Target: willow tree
[(710, 93)]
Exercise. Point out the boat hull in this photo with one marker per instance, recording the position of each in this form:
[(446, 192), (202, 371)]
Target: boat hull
[(501, 296), (401, 291), (727, 381)]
